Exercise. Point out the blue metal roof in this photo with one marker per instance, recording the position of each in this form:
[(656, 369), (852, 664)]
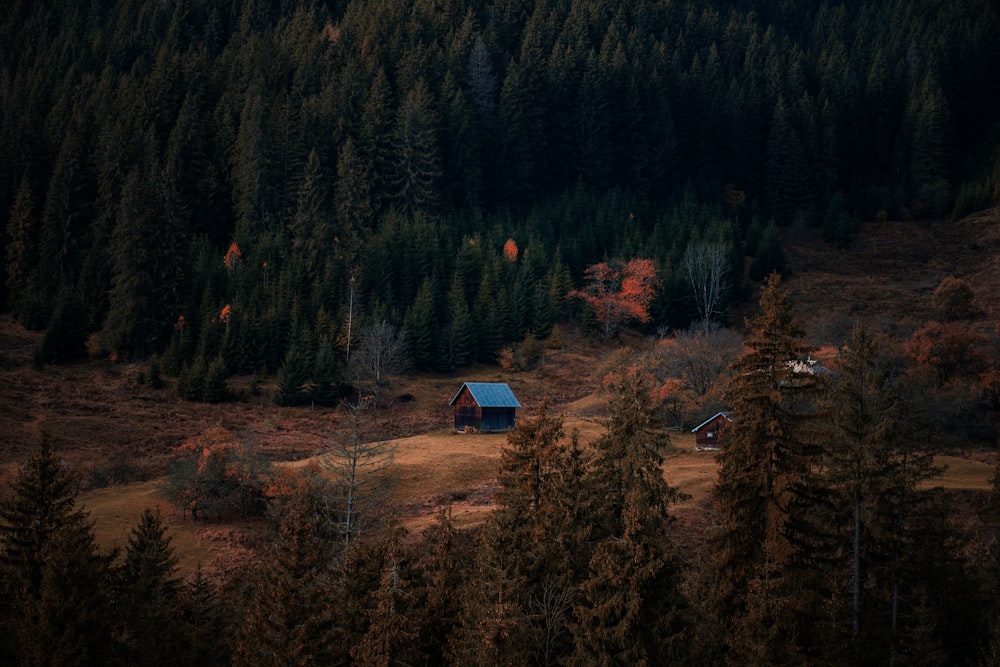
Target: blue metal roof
[(490, 395)]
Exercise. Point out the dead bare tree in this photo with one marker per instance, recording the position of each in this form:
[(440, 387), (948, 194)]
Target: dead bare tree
[(379, 353), (359, 469), (707, 270)]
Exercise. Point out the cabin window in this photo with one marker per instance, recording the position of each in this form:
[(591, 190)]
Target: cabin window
[(708, 435)]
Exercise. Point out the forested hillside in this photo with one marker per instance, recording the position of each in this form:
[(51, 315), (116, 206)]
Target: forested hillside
[(244, 187)]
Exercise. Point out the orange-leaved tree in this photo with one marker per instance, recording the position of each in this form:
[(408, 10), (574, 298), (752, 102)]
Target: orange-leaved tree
[(619, 291), (218, 474), (510, 251)]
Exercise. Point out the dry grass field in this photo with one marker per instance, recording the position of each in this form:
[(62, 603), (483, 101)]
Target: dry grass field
[(98, 413), (433, 471)]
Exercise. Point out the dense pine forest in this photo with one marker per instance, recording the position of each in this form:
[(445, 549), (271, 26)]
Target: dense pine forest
[(239, 184), (317, 195)]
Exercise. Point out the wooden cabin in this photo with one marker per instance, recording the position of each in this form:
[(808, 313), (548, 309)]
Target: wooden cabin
[(710, 434), (485, 406)]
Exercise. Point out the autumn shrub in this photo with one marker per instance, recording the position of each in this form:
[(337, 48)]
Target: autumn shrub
[(949, 348), (217, 475), (953, 299)]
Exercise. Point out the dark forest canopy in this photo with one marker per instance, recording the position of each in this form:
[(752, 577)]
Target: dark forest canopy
[(370, 159)]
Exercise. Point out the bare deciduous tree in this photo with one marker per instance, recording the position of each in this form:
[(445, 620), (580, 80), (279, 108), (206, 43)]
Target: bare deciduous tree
[(379, 353), (691, 367), (707, 269), (359, 471)]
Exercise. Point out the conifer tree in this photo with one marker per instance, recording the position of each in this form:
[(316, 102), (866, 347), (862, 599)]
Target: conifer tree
[(148, 591), (516, 608), (206, 637), (375, 147), (870, 467), (418, 160), (294, 375), (444, 560), (421, 327), (214, 387), (353, 192), (56, 606), (66, 336), (21, 250), (310, 227), (629, 609), (460, 341), (288, 616), (325, 376), (763, 474), (393, 619), (488, 313)]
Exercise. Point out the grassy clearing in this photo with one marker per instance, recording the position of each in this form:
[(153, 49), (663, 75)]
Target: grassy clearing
[(433, 470)]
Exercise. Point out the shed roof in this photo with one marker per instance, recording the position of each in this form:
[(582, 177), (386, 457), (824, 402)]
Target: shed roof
[(490, 395), (711, 419)]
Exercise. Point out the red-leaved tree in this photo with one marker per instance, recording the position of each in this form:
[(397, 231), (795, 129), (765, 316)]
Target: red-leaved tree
[(950, 348), (619, 291)]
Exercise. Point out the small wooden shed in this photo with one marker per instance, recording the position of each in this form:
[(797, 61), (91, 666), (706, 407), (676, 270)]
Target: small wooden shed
[(710, 434), (485, 406)]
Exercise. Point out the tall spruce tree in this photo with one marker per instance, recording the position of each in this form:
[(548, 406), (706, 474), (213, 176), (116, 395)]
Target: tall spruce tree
[(148, 593), (418, 159), (629, 609), (763, 474), (531, 554), (56, 604), (288, 617)]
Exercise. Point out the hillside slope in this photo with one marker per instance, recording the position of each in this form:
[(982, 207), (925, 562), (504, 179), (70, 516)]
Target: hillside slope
[(888, 277)]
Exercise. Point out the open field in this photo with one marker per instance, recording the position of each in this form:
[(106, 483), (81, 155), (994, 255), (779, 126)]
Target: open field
[(434, 470)]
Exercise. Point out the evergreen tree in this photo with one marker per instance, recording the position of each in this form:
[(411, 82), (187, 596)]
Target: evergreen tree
[(421, 327), (353, 194), (393, 619), (630, 610), (460, 341), (516, 609), (769, 254), (21, 250), (146, 266), (325, 375), (839, 227), (288, 616), (444, 560), (214, 388), (56, 606), (251, 162), (418, 161), (66, 336), (310, 227), (64, 218), (762, 491), (543, 311), (375, 147), (294, 375), (867, 457), (206, 637), (147, 600), (488, 312)]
